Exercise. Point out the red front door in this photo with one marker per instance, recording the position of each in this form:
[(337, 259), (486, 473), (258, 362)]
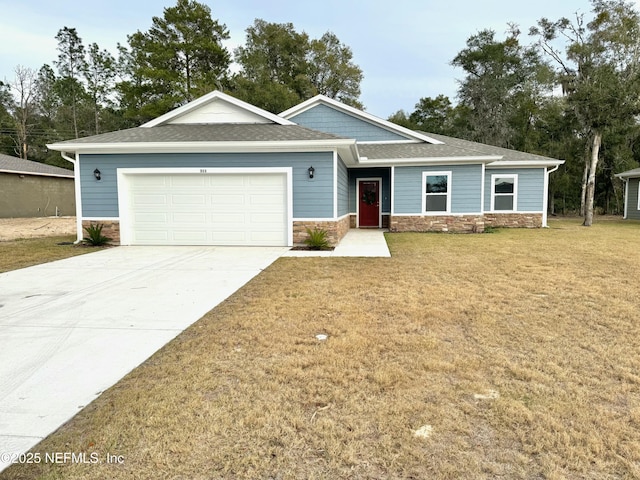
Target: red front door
[(369, 203)]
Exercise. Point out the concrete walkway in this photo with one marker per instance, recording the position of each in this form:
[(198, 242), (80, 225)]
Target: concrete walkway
[(73, 328), (358, 242)]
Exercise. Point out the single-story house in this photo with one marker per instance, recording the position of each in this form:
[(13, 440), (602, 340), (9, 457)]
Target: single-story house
[(219, 171), (33, 189), (631, 193)]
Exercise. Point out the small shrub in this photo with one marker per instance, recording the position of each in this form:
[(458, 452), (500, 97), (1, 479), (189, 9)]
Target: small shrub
[(490, 229), (317, 239), (94, 235)]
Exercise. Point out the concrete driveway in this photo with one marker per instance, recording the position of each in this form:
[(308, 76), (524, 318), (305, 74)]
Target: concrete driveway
[(71, 329)]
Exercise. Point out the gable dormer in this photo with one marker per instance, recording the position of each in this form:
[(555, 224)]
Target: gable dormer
[(215, 108), (330, 116)]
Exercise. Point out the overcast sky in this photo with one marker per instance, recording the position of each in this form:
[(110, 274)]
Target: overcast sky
[(404, 47)]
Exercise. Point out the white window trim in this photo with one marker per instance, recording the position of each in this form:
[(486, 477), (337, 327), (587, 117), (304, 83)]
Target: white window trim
[(515, 191), (426, 174)]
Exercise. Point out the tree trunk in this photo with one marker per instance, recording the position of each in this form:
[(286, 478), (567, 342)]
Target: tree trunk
[(96, 112), (591, 180), (75, 116), (585, 175)]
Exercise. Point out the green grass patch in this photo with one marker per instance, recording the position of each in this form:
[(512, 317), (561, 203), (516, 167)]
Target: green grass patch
[(21, 253)]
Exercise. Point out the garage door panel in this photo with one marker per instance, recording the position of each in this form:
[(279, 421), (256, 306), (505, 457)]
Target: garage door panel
[(266, 219), (151, 181), (154, 237), (265, 200), (197, 237), (230, 220), (230, 237), (264, 237), (225, 201), (208, 209), (227, 181), (191, 200), (150, 217), (189, 181), (189, 217), (146, 199)]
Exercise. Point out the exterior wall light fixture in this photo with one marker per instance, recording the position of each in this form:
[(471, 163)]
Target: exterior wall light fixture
[(311, 171), (97, 174)]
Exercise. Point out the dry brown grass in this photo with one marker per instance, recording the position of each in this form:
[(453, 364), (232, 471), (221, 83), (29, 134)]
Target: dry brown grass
[(548, 319), (23, 253)]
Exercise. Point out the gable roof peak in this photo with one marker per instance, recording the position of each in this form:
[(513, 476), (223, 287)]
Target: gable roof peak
[(217, 107), (411, 135)]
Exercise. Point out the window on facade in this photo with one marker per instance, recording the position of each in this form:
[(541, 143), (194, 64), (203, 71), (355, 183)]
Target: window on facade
[(504, 192), (437, 190)]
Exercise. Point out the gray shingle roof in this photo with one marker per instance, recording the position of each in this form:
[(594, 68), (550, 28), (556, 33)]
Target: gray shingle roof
[(18, 165), (450, 147), (629, 173), (224, 132), (484, 149), (388, 151)]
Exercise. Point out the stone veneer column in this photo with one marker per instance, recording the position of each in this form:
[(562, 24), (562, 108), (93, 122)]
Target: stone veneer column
[(111, 228), (335, 229)]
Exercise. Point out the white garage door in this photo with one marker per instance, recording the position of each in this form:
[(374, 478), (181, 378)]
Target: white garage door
[(207, 209)]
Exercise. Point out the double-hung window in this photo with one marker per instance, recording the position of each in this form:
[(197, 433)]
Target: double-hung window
[(437, 192), (504, 193)]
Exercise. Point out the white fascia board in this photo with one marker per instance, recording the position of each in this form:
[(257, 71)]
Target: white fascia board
[(404, 162), (37, 174), (626, 176), (525, 163), (216, 94), (203, 147), (321, 99)]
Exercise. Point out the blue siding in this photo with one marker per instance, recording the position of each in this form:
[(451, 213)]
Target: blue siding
[(632, 207), (312, 198), (343, 188), (466, 188), (330, 120), (530, 187), (384, 173)]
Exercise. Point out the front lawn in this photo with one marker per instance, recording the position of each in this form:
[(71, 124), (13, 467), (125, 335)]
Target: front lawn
[(21, 253), (516, 354)]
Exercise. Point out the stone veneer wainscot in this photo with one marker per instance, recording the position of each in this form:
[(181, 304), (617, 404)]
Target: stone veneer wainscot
[(335, 229), (437, 223), (514, 220)]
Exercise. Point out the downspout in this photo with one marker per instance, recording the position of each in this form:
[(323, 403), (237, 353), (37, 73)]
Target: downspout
[(76, 177), (546, 195), (626, 197)]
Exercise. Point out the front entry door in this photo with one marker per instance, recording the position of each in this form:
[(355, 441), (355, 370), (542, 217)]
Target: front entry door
[(369, 203)]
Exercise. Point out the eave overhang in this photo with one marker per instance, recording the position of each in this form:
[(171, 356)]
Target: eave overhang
[(346, 148), (525, 163)]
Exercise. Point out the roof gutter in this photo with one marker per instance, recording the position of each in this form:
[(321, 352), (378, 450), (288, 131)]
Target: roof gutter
[(76, 176)]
